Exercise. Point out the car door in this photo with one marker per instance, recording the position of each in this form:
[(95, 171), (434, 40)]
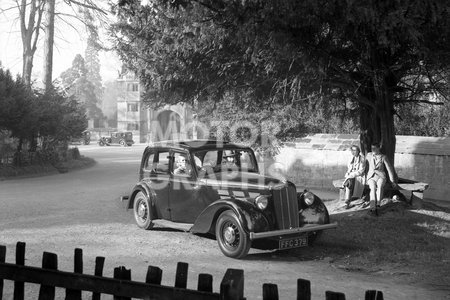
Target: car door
[(156, 172), (113, 138), (185, 201)]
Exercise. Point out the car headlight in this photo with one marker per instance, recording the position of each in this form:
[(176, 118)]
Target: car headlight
[(308, 198), (261, 202)]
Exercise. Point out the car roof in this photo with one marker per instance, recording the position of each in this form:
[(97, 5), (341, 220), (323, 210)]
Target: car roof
[(194, 144)]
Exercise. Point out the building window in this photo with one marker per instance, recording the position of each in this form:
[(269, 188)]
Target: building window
[(132, 87), (132, 126), (132, 107)]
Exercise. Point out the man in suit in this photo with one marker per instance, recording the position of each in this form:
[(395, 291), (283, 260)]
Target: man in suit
[(355, 176), (379, 165)]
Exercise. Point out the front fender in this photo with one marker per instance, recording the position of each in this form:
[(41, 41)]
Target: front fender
[(250, 217), (317, 213)]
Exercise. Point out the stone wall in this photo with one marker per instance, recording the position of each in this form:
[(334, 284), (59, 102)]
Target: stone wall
[(316, 160)]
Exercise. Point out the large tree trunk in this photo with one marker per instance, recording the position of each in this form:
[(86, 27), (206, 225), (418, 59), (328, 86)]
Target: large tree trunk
[(48, 46), (377, 121), (29, 27), (27, 66)]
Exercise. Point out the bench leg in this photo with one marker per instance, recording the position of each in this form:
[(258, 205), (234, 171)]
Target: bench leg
[(341, 194), (417, 199)]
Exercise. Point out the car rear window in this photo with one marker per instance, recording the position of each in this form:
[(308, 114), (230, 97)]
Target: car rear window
[(243, 160)]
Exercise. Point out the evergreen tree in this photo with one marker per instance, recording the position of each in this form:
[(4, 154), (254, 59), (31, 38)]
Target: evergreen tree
[(92, 60), (17, 107), (27, 114), (376, 54), (75, 82)]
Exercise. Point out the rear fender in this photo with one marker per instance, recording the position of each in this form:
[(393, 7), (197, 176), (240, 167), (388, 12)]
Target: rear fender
[(139, 188), (251, 219)]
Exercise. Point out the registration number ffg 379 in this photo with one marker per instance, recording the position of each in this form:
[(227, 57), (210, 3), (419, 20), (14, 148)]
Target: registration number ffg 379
[(294, 242)]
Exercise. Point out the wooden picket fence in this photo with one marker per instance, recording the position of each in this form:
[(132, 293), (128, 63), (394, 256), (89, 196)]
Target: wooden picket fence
[(123, 288)]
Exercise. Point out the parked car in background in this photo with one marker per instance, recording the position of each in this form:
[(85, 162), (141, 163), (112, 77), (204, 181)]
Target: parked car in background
[(204, 186), (84, 139), (117, 138)]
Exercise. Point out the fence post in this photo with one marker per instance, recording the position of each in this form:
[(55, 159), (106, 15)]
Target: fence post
[(2, 260), (49, 261), (181, 275), (329, 295), (373, 295), (270, 291), (205, 283), (99, 264), (122, 273), (154, 275), (232, 285), (78, 268), (303, 289), (20, 260)]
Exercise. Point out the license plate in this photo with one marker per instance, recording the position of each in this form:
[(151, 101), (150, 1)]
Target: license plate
[(293, 242)]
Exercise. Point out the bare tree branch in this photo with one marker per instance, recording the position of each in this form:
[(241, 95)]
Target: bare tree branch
[(398, 101), (88, 5)]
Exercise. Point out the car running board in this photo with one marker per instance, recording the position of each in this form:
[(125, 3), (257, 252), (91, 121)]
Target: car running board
[(175, 225)]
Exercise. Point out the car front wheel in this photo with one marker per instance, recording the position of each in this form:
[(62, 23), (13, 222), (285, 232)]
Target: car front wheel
[(233, 240), (323, 218), (122, 143), (142, 211)]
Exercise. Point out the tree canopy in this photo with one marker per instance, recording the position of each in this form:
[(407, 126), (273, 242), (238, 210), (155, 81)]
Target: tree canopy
[(371, 55), (76, 83)]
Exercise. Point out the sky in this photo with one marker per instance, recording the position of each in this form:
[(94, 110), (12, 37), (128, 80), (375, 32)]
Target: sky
[(68, 43)]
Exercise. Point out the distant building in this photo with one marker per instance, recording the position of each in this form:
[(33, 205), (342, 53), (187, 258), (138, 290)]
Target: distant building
[(149, 125)]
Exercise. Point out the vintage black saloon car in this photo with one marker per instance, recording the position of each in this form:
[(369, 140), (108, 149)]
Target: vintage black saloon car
[(117, 138), (205, 186), (85, 138)]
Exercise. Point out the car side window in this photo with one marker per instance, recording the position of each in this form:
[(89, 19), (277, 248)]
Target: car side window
[(162, 163), (150, 165), (210, 158), (245, 160)]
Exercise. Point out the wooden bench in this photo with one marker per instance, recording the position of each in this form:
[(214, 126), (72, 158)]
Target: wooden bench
[(416, 188)]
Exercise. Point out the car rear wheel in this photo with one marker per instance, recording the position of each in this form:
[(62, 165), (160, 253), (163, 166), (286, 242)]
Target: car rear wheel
[(233, 240), (101, 143), (142, 211)]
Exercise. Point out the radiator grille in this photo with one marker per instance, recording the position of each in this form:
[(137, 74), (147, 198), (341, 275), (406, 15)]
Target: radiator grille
[(286, 207)]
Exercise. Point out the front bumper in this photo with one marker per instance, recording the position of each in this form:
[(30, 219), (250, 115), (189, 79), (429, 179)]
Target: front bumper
[(293, 231)]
